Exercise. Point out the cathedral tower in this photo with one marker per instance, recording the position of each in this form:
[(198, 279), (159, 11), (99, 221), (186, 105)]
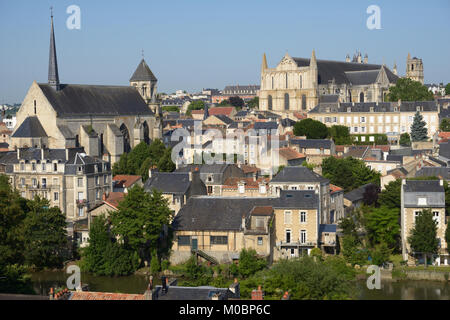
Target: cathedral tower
[(144, 81), (414, 69)]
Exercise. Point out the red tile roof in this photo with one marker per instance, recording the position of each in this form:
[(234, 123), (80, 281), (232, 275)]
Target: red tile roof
[(334, 188), (290, 154), (262, 211), (221, 110), (114, 198), (126, 181), (444, 135), (197, 111), (249, 169)]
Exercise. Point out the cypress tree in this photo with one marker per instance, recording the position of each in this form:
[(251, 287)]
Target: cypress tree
[(418, 130)]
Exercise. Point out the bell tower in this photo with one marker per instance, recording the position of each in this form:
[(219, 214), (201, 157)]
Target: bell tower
[(414, 69), (144, 81)]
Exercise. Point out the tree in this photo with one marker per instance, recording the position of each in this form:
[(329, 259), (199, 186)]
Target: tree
[(348, 173), (165, 164), (409, 90), (390, 196), (418, 130), (45, 235), (310, 128), (370, 195), (380, 254), (249, 263), (140, 220), (445, 125), (447, 89), (236, 102), (254, 103), (382, 227), (405, 139), (155, 267), (423, 237), (195, 105), (340, 134)]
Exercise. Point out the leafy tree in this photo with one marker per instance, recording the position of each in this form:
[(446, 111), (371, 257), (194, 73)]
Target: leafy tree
[(447, 237), (447, 89), (405, 139), (140, 220), (254, 103), (340, 134), (370, 195), (45, 235), (165, 164), (236, 102), (380, 254), (155, 267), (310, 128), (382, 226), (409, 90), (445, 125), (418, 130), (250, 263), (348, 173), (224, 103), (171, 109), (310, 166), (195, 105), (423, 237), (390, 196)]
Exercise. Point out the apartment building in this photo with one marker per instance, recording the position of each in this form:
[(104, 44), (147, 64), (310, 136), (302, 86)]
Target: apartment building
[(68, 178)]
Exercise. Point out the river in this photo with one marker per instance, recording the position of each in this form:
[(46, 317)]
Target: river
[(401, 290)]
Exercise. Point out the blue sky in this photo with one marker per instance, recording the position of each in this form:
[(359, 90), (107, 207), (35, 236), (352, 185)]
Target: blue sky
[(194, 44)]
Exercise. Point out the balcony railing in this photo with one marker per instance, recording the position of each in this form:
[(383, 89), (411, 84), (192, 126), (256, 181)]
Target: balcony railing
[(296, 243), (81, 202)]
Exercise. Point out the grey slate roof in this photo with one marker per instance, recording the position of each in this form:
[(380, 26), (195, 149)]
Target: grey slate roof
[(443, 172), (226, 213), (362, 77), (357, 194), (327, 228), (84, 100), (429, 189), (30, 128), (337, 70), (312, 143), (364, 107), (269, 125), (168, 182), (444, 150), (224, 118), (298, 174), (143, 73), (423, 186)]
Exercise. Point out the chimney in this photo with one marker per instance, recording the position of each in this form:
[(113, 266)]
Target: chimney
[(286, 296), (190, 175), (42, 153), (52, 294), (104, 196), (67, 154), (257, 294), (254, 176), (18, 153)]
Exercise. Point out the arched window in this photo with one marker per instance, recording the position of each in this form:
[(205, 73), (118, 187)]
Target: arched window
[(126, 138), (361, 97), (303, 102), (412, 67), (301, 82), (272, 82), (269, 100), (286, 101), (286, 80), (146, 133)]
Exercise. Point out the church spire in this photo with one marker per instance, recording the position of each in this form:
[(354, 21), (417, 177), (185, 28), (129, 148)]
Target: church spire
[(53, 77), (264, 63), (313, 61)]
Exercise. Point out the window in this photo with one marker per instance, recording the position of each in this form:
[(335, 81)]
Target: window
[(241, 188), (363, 119), (184, 240), (55, 167), (210, 189), (422, 201), (286, 101), (80, 196), (34, 182), (80, 169), (287, 217), (310, 188), (22, 166), (260, 241), (303, 102), (269, 100), (55, 196), (97, 195), (288, 236), (80, 182), (80, 212), (303, 217), (22, 181), (218, 239), (259, 223), (44, 182), (436, 216), (44, 167), (97, 180), (33, 166), (262, 189), (303, 236)]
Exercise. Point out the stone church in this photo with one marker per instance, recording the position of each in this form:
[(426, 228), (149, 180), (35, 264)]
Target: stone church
[(106, 120), (299, 84)]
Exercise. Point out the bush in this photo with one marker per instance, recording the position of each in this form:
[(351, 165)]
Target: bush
[(154, 263), (249, 263), (165, 264)]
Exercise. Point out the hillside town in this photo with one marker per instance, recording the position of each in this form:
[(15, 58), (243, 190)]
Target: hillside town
[(323, 159)]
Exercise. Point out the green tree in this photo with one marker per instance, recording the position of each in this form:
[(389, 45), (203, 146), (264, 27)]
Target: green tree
[(340, 134), (447, 89), (45, 236), (447, 237), (348, 173), (171, 109), (445, 125), (419, 132), (195, 105), (236, 102), (423, 238), (409, 90), (140, 220), (380, 254), (390, 196), (165, 163), (250, 263), (254, 103), (405, 139), (382, 226), (155, 266), (310, 128)]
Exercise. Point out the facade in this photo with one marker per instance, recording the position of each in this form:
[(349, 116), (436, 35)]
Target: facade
[(414, 69), (296, 84), (416, 196), (246, 92), (68, 178), (390, 118), (106, 120)]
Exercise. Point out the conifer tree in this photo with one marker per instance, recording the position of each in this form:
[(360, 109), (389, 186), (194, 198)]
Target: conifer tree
[(418, 130)]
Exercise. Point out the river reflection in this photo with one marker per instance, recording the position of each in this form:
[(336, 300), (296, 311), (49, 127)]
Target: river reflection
[(402, 290)]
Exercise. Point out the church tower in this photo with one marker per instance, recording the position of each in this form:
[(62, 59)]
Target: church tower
[(414, 69), (53, 76), (144, 81)]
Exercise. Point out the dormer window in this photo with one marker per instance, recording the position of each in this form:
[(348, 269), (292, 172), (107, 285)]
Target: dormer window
[(22, 166), (349, 109), (422, 201), (371, 109)]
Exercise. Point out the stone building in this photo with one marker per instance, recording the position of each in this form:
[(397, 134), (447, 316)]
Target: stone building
[(68, 178), (106, 120), (297, 84), (416, 196), (414, 69)]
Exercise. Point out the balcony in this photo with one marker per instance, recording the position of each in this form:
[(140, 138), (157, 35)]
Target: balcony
[(295, 244), (81, 202)]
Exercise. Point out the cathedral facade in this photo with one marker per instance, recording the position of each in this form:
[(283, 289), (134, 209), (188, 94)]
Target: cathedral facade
[(299, 84), (106, 120)]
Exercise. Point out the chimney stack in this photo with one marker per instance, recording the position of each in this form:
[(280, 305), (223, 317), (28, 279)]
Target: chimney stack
[(286, 296), (257, 294)]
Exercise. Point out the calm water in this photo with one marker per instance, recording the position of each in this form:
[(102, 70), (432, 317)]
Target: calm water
[(403, 290)]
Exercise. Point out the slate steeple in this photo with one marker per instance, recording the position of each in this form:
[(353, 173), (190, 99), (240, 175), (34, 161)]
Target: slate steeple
[(53, 77)]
